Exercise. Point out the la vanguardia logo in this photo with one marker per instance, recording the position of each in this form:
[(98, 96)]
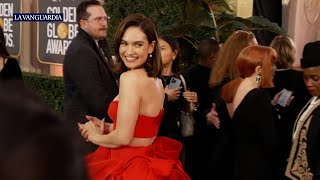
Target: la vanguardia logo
[(37, 17)]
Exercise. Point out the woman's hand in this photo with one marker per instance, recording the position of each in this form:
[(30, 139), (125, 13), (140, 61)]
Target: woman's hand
[(173, 94), (191, 96), (90, 131), (276, 98), (108, 127), (99, 125)]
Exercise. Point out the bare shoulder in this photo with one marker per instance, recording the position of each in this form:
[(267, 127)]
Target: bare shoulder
[(130, 75), (133, 77)]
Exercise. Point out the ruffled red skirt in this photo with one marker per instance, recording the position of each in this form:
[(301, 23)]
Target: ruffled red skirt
[(157, 161)]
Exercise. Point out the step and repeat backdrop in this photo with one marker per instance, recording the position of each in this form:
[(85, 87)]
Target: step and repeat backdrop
[(52, 37), (12, 30)]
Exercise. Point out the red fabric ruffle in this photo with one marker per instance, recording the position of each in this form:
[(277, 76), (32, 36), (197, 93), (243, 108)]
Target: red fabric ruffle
[(157, 161)]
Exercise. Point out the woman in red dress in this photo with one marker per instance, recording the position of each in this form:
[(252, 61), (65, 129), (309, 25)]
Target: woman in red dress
[(129, 148)]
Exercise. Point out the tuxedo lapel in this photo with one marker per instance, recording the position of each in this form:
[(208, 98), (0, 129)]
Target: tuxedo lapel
[(104, 58), (106, 62)]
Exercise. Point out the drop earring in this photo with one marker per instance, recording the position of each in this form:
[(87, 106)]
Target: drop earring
[(258, 78), (150, 55)]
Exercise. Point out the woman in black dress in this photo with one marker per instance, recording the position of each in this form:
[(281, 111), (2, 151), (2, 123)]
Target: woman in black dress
[(254, 133), (173, 102), (174, 99)]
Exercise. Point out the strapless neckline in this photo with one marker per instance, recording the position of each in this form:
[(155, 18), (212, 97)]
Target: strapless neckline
[(141, 115)]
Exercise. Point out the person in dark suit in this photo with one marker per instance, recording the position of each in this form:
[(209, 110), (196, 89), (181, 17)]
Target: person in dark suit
[(304, 159), (89, 83), (197, 76)]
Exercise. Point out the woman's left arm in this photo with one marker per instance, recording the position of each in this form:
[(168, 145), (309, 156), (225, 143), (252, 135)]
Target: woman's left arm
[(192, 98), (128, 110)]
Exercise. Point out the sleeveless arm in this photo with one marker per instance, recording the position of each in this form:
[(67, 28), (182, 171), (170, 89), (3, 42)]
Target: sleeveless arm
[(128, 111)]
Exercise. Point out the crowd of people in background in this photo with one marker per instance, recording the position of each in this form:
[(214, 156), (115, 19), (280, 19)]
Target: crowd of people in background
[(241, 113)]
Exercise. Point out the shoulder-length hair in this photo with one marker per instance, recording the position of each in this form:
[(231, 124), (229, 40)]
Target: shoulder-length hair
[(153, 65), (174, 45), (285, 49), (225, 66), (247, 61)]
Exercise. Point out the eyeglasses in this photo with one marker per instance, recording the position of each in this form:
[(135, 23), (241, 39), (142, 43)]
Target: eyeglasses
[(100, 19)]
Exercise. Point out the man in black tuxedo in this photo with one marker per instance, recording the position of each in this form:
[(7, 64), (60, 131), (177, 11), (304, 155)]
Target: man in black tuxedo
[(89, 83)]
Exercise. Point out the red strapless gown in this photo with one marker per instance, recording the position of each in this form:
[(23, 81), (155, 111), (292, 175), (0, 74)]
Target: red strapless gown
[(157, 161)]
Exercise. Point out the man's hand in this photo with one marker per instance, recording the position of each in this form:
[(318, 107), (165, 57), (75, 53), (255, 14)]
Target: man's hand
[(212, 116)]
